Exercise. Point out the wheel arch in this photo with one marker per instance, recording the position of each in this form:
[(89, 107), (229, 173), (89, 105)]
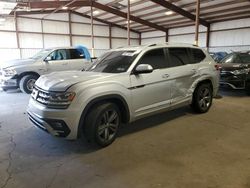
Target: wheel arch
[(113, 98)]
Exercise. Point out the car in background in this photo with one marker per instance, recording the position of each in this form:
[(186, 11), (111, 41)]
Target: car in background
[(123, 85), (23, 73), (218, 56), (235, 70)]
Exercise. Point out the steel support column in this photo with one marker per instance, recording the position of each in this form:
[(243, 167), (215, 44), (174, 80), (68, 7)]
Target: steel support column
[(92, 32), (128, 20), (197, 22), (208, 37), (70, 29)]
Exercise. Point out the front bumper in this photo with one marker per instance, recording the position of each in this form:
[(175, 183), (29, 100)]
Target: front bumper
[(58, 122), (8, 83), (53, 126)]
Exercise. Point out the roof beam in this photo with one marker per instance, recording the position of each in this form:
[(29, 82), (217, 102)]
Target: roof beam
[(56, 4), (180, 11), (124, 15), (103, 21)]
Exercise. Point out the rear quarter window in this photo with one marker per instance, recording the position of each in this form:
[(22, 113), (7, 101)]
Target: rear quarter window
[(197, 55)]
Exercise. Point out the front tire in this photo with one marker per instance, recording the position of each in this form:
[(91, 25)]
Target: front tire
[(202, 98), (102, 123), (27, 83)]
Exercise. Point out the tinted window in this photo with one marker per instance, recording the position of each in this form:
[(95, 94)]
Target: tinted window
[(114, 62), (178, 56), (76, 54), (244, 57), (61, 54), (155, 58), (231, 58), (197, 55)]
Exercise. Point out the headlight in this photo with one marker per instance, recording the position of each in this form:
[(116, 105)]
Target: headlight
[(9, 72), (241, 71), (53, 100)]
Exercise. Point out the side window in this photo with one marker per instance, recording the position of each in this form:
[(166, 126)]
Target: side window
[(178, 56), (76, 54), (155, 58), (61, 54), (197, 55)]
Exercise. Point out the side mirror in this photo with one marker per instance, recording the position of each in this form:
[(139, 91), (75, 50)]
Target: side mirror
[(47, 59), (143, 68)]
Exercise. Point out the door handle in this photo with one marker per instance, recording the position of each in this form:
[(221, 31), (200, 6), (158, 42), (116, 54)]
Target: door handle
[(165, 75)]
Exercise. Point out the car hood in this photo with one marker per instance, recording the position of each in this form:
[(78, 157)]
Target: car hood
[(61, 81), (17, 62)]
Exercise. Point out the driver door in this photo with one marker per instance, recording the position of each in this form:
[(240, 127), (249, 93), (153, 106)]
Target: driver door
[(151, 91), (59, 61)]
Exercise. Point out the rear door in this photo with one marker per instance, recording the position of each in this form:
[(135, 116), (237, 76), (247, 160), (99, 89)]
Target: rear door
[(78, 60), (151, 91), (184, 71)]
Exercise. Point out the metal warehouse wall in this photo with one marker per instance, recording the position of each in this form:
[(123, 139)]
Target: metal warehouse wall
[(54, 31), (224, 36)]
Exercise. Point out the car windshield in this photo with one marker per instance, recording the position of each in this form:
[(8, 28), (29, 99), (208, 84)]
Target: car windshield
[(41, 54), (114, 62), (237, 58), (244, 57)]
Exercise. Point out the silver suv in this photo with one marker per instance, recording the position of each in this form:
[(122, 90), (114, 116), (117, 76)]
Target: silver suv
[(122, 86)]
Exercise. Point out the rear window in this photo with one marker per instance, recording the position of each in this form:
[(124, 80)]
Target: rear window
[(178, 56), (197, 55)]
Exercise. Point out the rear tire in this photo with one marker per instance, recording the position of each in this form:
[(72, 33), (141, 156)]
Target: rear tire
[(102, 123), (27, 83), (202, 98)]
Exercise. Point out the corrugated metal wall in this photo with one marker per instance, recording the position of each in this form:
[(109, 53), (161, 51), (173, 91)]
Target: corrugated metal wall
[(54, 31), (224, 36)]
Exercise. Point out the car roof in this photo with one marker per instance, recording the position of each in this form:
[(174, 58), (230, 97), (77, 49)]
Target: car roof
[(149, 46)]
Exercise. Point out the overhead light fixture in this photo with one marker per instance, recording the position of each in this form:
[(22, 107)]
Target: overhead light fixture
[(64, 8), (169, 12), (129, 21), (96, 12)]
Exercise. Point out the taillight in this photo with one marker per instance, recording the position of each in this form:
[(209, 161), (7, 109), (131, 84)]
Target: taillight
[(217, 67)]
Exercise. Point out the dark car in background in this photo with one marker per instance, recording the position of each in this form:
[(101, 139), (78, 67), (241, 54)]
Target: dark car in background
[(235, 70), (218, 56)]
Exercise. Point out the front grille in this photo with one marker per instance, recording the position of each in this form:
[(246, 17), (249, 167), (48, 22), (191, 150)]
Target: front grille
[(40, 96)]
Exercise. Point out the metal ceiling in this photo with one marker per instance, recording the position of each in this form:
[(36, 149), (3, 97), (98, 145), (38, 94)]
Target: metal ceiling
[(146, 15)]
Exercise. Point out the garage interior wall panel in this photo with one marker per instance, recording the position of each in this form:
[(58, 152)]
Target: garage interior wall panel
[(8, 40), (100, 30), (76, 18), (80, 29), (55, 27), (56, 41), (27, 40), (29, 25), (27, 52), (8, 25), (8, 54), (119, 43), (58, 16), (134, 42), (153, 40), (86, 41)]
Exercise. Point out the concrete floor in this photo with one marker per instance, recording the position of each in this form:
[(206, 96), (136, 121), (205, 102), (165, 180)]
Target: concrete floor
[(178, 149)]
